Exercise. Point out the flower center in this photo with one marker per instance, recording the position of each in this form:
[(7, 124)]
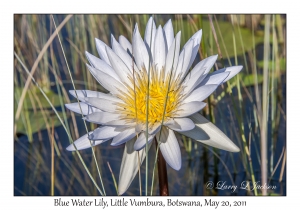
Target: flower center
[(163, 98)]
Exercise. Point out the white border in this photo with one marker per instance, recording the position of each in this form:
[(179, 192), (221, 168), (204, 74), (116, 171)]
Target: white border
[(8, 8)]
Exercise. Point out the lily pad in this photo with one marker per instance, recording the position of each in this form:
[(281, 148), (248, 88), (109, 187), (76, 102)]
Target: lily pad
[(228, 33), (282, 64), (31, 122), (250, 79), (34, 97), (36, 112)]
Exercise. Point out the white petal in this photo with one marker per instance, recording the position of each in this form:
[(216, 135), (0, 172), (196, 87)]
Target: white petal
[(188, 49), (123, 55), (141, 141), (105, 132), (148, 38), (207, 63), (196, 133), (169, 33), (233, 70), (119, 66), (85, 108), (189, 108), (139, 127), (125, 44), (169, 148), (182, 124), (101, 50), (169, 121), (154, 129), (83, 143), (172, 56), (198, 73), (101, 117), (214, 79), (201, 93), (103, 104), (197, 38), (82, 94), (207, 133), (160, 49), (130, 165), (123, 137), (107, 81), (101, 65), (193, 56), (140, 52), (120, 123), (180, 61)]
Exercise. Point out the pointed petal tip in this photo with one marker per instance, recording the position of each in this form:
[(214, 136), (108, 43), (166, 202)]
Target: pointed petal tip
[(87, 65), (215, 137), (198, 33), (113, 144), (235, 68), (176, 167), (88, 56), (70, 148), (231, 147), (234, 148), (67, 106), (97, 40), (136, 27), (150, 20), (121, 191), (240, 67)]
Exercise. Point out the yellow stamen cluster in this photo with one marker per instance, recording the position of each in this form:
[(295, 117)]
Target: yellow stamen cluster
[(164, 97)]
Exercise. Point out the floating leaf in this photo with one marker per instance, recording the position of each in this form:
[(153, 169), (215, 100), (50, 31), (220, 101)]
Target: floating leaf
[(282, 64), (250, 79), (227, 34), (34, 122), (36, 112), (34, 96)]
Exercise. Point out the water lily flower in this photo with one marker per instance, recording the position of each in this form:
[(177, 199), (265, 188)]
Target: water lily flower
[(152, 93)]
